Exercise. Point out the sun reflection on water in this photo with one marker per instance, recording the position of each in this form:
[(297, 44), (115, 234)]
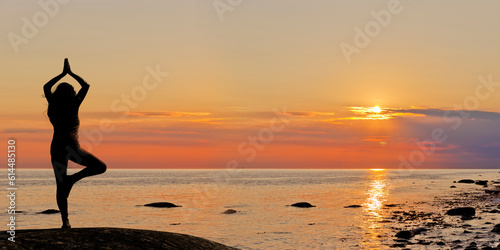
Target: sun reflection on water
[(373, 207)]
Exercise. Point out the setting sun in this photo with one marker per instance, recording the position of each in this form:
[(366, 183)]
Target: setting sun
[(376, 109)]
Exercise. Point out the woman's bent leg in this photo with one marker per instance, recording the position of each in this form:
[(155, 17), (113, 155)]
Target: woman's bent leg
[(93, 166)]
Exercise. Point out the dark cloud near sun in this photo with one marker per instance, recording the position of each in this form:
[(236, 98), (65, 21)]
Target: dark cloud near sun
[(466, 114)]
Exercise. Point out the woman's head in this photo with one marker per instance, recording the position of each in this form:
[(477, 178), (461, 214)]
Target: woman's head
[(64, 90)]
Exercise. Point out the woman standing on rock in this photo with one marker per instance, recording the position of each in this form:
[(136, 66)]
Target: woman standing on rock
[(64, 104)]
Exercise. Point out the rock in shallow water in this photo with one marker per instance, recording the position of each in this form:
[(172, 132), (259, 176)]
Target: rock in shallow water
[(161, 204), (230, 211), (468, 181), (353, 206), (464, 211), (405, 234), (302, 204), (49, 211), (482, 183), (496, 229)]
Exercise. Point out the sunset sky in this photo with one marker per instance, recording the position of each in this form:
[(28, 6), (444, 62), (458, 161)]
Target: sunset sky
[(265, 84)]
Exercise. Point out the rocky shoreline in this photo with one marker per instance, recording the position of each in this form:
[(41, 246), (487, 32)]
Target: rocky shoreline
[(469, 220), (106, 238)]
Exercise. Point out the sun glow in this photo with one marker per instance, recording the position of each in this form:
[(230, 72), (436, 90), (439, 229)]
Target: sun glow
[(376, 109), (377, 169), (370, 113)]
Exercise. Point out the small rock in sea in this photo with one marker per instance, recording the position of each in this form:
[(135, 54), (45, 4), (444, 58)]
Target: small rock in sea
[(405, 234), (175, 224), (468, 181), (467, 232), (469, 211), (161, 204), (472, 246), (482, 183), (496, 229), (453, 187), (353, 206), (302, 204), (492, 192), (49, 211), (391, 205), (230, 211), (454, 181), (494, 211), (440, 243), (456, 241), (488, 223), (310, 224)]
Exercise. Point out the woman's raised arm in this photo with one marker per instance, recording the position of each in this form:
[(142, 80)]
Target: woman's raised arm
[(48, 86), (85, 86)]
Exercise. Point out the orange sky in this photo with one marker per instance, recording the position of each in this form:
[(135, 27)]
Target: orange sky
[(181, 85)]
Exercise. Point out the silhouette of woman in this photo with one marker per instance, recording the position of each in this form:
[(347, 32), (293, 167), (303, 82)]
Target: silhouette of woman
[(63, 114)]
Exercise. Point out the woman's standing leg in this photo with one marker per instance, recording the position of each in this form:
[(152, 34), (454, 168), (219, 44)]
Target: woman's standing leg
[(60, 166)]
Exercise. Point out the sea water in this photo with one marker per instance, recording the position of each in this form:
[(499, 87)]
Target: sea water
[(260, 197)]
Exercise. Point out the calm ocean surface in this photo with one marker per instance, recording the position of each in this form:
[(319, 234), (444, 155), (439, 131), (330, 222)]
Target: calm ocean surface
[(263, 220)]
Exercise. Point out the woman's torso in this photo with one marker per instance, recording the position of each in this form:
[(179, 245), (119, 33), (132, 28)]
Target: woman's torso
[(63, 116)]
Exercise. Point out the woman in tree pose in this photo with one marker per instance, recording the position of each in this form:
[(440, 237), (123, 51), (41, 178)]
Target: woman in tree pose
[(63, 114)]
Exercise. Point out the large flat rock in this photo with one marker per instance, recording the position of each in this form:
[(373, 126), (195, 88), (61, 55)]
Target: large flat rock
[(105, 238)]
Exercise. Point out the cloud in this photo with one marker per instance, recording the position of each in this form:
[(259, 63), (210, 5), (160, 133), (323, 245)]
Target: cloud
[(309, 114), (169, 114), (14, 131), (466, 114)]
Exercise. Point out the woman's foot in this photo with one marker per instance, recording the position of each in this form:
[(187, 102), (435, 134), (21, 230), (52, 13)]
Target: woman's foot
[(66, 224)]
